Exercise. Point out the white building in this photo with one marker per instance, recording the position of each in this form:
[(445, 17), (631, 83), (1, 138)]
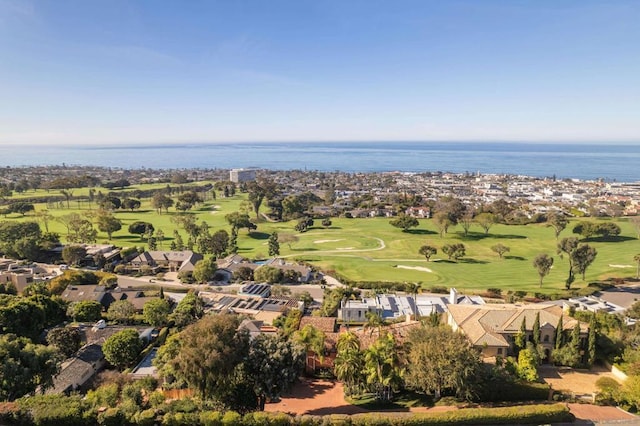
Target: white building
[(242, 175), (391, 306)]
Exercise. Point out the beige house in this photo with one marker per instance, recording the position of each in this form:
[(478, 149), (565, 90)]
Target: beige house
[(492, 328), (174, 261)]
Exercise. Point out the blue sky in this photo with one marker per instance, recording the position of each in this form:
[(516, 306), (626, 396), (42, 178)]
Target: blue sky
[(96, 72)]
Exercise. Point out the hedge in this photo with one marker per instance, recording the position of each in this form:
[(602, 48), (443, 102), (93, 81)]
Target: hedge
[(70, 414), (516, 391)]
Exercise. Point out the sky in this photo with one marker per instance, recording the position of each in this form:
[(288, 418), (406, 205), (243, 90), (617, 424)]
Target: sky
[(152, 71)]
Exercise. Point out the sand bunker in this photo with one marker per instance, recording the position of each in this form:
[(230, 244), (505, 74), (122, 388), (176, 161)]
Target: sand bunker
[(415, 268), (621, 266), (214, 209), (326, 241), (345, 248)]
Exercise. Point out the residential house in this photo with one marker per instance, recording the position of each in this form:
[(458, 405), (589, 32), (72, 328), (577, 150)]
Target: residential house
[(418, 212), (78, 370), (174, 261), (492, 328), (392, 306)]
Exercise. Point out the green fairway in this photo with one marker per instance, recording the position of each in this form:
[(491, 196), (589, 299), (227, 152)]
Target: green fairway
[(373, 250)]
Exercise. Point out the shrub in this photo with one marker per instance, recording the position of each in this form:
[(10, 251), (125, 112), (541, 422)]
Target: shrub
[(211, 418), (231, 418)]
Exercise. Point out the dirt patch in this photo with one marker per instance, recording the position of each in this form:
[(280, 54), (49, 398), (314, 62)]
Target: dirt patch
[(416, 268), (580, 382), (323, 397), (319, 397)]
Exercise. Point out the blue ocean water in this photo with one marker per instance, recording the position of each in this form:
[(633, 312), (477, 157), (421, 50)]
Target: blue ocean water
[(589, 161)]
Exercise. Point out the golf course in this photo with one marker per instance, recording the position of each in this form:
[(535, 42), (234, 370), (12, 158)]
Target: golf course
[(372, 250)]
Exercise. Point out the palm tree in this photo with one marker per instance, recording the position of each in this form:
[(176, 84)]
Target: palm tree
[(637, 259), (374, 321), (348, 367), (348, 341), (312, 340), (381, 366)]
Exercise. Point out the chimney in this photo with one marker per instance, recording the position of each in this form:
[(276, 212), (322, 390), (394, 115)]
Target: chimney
[(453, 296)]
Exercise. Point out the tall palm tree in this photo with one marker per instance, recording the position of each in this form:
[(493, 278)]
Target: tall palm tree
[(381, 366), (637, 259), (312, 339), (348, 341), (374, 321), (348, 368)]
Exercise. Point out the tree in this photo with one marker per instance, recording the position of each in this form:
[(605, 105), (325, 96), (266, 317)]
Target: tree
[(500, 249), (239, 220), (404, 222), (122, 348), (161, 202), (205, 269), (466, 220), (156, 312), (428, 251), (591, 342), (140, 228), (21, 207), (73, 255), (441, 360), (486, 221), (268, 274), (190, 309), (567, 246), (583, 256), (108, 223), (272, 366), (304, 224), (22, 316), (121, 311), (521, 337), (536, 330), (348, 365), (130, 204), (224, 347), (442, 222), (543, 264), (326, 222), (258, 191), (558, 222), (311, 339), (25, 366), (274, 245), (527, 365), (636, 258), (559, 334), (66, 339), (382, 367), (454, 251), (85, 311)]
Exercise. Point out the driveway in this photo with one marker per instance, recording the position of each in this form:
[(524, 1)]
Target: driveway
[(579, 382)]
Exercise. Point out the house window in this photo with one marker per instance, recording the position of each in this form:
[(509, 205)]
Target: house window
[(359, 314), (546, 338), (499, 351)]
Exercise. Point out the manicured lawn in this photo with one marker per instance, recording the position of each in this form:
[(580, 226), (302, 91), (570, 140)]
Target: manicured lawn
[(373, 250)]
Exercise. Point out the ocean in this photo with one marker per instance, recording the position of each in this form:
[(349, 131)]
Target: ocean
[(582, 161)]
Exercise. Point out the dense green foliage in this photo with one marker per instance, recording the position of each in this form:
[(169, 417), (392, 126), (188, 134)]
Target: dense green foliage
[(25, 366), (122, 348)]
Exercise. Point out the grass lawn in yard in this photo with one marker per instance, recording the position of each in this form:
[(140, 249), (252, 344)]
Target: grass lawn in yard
[(373, 250)]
